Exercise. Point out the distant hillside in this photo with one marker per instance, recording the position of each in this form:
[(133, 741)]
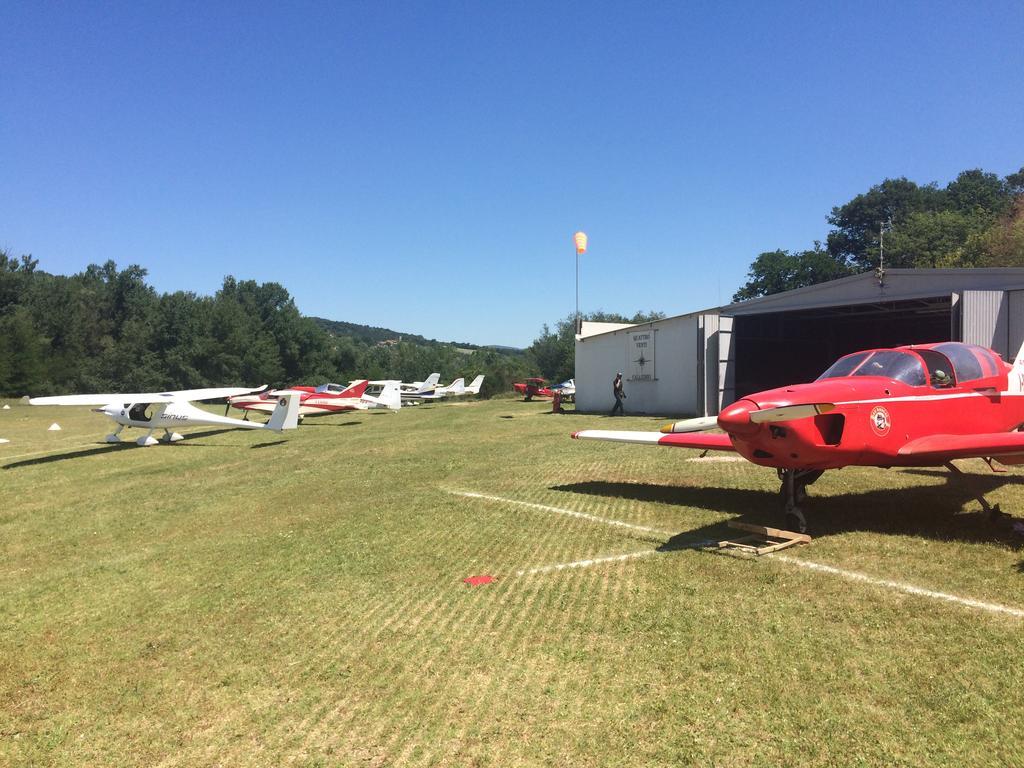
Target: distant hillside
[(371, 334)]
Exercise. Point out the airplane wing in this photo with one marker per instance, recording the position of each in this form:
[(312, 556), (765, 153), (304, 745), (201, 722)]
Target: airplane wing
[(699, 440), (946, 447), (145, 397)]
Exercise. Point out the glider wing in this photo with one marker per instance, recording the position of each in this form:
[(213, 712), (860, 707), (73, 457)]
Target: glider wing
[(185, 395)]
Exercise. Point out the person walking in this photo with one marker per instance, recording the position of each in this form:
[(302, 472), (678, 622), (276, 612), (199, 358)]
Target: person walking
[(619, 395)]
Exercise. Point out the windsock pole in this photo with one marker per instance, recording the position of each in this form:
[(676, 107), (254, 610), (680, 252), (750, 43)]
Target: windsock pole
[(580, 241)]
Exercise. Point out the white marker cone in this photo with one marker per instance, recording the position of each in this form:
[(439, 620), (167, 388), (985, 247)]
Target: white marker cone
[(55, 427), (7, 407), (4, 441)]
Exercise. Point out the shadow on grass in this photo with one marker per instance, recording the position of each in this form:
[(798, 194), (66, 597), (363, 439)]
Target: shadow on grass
[(111, 447), (105, 448), (931, 512), (268, 445), (986, 482), (330, 424)]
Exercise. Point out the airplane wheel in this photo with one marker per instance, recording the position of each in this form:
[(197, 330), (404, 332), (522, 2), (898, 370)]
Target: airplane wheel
[(799, 495), (794, 520)]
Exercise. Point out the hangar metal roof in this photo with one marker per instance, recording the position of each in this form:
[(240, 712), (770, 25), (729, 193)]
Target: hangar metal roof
[(898, 285)]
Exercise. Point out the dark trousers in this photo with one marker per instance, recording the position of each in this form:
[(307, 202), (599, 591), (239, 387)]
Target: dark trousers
[(618, 407)]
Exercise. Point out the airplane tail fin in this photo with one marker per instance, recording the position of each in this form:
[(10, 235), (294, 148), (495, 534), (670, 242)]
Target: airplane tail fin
[(430, 383), (286, 414), (357, 389), (1015, 380), (474, 387), (457, 387), (390, 397), (1018, 362)]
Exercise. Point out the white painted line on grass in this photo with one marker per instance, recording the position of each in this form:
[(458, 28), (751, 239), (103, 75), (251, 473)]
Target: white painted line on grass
[(717, 459), (612, 558), (897, 586), (900, 586), (587, 563), (560, 511)]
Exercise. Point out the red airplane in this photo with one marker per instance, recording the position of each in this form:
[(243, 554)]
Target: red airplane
[(533, 387), (324, 399), (912, 406)]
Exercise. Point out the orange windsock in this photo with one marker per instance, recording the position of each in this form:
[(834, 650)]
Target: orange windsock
[(580, 238)]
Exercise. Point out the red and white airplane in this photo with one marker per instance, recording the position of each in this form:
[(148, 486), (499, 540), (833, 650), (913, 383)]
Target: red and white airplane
[(325, 399), (913, 406)]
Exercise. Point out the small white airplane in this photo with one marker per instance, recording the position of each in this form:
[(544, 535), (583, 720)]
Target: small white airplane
[(166, 410), (567, 387), (459, 387), (456, 388), (417, 390)]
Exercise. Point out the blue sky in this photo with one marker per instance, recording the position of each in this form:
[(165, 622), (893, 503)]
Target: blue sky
[(423, 166)]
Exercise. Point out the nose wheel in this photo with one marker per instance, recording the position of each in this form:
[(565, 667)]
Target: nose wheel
[(793, 493)]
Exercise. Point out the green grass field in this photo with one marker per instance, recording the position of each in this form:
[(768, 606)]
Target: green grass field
[(245, 598)]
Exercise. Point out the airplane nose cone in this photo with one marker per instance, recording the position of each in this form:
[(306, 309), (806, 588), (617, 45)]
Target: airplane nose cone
[(736, 418)]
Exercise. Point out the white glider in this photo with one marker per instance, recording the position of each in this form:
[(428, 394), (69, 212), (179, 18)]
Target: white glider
[(166, 410)]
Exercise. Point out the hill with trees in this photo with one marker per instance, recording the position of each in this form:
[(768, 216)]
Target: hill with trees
[(105, 329), (371, 334)]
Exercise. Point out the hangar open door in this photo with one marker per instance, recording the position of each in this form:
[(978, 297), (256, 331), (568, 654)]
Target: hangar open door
[(774, 349)]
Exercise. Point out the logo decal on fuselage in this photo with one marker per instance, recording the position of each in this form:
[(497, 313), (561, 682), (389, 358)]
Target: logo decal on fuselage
[(880, 421)]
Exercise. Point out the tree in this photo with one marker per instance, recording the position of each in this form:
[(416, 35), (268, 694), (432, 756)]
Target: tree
[(973, 221), (21, 355), (1002, 245), (777, 271), (979, 193), (1015, 183), (854, 239), (929, 239)]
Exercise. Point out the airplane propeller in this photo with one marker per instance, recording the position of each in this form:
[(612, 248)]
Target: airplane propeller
[(790, 412), (766, 416), (691, 425)]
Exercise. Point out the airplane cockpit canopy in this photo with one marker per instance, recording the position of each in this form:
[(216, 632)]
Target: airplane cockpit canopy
[(970, 361), (944, 365), (889, 363), (331, 389)]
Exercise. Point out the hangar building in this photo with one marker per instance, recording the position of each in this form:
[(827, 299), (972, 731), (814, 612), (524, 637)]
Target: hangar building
[(697, 363)]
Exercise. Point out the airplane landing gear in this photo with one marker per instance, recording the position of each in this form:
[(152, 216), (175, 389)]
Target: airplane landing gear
[(113, 436), (994, 512), (146, 440), (793, 493), (172, 437)]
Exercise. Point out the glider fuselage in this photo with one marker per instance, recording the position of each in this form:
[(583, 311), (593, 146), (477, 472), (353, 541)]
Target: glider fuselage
[(167, 416)]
